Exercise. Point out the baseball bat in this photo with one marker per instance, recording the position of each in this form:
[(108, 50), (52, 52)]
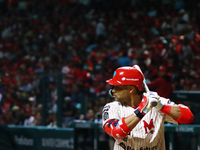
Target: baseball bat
[(154, 103)]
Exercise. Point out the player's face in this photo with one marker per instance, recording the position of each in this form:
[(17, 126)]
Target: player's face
[(121, 93)]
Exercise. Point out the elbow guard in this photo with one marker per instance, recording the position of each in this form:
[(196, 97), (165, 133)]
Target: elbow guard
[(186, 115), (117, 129)]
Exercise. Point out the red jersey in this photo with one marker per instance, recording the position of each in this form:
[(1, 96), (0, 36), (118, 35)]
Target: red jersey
[(162, 87)]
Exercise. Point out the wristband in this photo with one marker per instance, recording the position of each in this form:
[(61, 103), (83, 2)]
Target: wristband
[(138, 114), (166, 109)]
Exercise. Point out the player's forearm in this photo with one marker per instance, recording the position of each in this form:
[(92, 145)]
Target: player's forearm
[(174, 112), (131, 121), (180, 113), (143, 107)]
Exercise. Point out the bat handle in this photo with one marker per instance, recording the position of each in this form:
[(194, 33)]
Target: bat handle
[(145, 86), (154, 103)]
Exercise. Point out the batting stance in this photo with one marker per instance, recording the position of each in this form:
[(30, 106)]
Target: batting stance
[(133, 119)]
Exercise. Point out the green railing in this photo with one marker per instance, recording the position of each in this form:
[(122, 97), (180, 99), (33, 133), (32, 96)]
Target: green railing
[(42, 138), (193, 96), (170, 129), (96, 127), (189, 129)]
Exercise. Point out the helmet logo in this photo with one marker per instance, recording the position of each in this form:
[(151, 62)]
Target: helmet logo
[(129, 79), (123, 78)]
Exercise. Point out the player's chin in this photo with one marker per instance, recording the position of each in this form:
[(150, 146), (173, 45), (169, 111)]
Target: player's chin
[(116, 99)]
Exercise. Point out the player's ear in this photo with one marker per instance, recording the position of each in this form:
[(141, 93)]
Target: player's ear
[(133, 90)]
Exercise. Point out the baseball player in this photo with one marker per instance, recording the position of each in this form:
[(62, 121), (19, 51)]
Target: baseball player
[(132, 119)]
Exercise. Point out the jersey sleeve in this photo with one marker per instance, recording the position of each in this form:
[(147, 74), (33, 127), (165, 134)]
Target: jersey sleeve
[(167, 118), (111, 111)]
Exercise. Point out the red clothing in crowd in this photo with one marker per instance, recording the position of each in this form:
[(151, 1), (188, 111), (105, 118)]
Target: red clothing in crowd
[(162, 87)]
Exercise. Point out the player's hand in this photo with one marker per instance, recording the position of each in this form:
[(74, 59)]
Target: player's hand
[(145, 105), (154, 100)]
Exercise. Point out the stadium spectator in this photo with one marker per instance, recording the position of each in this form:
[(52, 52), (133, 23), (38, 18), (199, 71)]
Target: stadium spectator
[(162, 85), (124, 60), (69, 111), (83, 42), (51, 120)]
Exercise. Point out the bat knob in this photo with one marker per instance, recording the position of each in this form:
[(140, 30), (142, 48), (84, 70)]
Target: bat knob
[(154, 103)]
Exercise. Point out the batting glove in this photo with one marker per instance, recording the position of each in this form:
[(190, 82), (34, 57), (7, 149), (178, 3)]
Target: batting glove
[(155, 101), (143, 107)]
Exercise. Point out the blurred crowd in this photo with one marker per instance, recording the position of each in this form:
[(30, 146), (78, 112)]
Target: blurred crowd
[(87, 40)]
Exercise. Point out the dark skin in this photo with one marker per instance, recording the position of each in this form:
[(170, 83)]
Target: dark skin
[(128, 95), (123, 94)]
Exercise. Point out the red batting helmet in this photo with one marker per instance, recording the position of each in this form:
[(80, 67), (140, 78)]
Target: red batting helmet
[(127, 76)]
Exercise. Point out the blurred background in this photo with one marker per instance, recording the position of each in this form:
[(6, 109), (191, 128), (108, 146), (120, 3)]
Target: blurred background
[(55, 56)]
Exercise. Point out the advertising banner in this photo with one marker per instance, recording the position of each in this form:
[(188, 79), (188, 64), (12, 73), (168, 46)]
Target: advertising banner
[(42, 138)]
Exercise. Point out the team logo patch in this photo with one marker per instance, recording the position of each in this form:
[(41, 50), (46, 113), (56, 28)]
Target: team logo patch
[(105, 116), (149, 128), (106, 108)]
